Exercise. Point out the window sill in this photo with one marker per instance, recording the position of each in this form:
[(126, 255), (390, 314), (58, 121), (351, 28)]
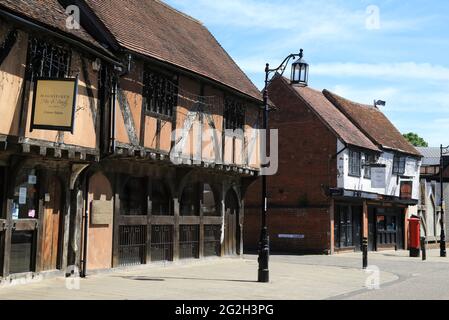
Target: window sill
[(158, 116)]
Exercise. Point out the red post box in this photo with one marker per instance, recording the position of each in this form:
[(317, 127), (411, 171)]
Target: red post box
[(414, 235)]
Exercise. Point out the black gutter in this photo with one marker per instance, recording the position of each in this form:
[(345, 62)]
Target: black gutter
[(30, 24)]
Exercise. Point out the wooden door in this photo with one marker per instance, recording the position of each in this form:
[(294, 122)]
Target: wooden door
[(51, 226)]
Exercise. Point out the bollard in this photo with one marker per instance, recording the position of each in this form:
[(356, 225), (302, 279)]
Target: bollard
[(365, 252), (423, 248)]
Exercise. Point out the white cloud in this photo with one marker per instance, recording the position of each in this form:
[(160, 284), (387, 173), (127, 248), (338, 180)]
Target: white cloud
[(405, 70), (307, 18)]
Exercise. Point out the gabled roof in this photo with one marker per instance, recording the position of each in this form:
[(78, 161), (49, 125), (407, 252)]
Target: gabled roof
[(50, 14), (373, 123), (335, 120), (153, 29)]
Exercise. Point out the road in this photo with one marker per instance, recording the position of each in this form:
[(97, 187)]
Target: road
[(416, 279)]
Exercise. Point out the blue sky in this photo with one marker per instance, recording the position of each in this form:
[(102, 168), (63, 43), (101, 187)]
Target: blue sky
[(364, 50)]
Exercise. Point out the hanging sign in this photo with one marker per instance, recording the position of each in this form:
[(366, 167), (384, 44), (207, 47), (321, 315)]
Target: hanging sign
[(378, 177), (54, 103)]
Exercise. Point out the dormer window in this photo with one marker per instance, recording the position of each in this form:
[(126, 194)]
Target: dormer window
[(399, 164)]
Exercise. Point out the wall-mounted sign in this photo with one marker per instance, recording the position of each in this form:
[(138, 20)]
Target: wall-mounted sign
[(101, 213), (291, 236), (54, 104), (378, 177)]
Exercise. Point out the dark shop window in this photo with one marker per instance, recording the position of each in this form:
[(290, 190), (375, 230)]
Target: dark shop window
[(133, 197), (160, 200), (354, 163), (48, 60), (343, 227), (160, 93)]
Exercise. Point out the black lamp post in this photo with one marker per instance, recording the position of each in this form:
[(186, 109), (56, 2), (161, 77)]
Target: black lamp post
[(443, 151), (299, 76)]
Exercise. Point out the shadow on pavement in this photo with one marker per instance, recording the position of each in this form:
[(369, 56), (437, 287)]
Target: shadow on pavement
[(144, 278)]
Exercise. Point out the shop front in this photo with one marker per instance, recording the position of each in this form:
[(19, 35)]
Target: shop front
[(385, 221), (34, 216)]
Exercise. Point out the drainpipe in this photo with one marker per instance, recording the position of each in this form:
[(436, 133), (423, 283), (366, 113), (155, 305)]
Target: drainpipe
[(113, 116), (86, 227)]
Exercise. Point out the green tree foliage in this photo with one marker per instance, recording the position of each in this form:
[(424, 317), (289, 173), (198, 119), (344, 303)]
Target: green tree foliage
[(416, 140)]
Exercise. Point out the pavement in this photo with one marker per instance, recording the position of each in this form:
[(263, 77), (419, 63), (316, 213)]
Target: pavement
[(391, 275)]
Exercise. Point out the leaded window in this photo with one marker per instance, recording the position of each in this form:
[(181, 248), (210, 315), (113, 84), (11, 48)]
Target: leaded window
[(354, 163), (369, 160), (234, 114), (160, 93), (48, 60), (399, 165)]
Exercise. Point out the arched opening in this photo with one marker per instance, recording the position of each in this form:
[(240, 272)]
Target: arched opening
[(100, 232), (160, 200), (209, 205), (232, 224), (190, 200), (133, 197)]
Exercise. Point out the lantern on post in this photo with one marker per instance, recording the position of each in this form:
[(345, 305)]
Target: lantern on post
[(300, 71)]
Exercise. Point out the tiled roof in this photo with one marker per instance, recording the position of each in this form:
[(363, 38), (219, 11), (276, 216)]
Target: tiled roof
[(373, 123), (332, 117), (152, 28), (48, 13), (431, 155)]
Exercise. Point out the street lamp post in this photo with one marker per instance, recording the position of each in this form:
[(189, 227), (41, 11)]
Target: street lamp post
[(299, 76), (443, 151)]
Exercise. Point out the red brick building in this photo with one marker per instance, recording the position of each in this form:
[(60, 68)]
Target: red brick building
[(323, 198)]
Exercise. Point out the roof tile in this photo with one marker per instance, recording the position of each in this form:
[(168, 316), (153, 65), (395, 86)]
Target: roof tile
[(373, 123), (154, 29)]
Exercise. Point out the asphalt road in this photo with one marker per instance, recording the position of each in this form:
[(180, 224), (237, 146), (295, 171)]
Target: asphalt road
[(417, 279)]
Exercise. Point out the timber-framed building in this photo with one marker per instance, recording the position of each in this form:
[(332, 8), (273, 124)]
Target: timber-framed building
[(141, 178)]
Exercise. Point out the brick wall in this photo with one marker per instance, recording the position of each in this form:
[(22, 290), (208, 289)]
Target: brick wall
[(305, 170)]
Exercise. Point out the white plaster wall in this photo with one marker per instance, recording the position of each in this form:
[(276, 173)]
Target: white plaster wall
[(412, 169)]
